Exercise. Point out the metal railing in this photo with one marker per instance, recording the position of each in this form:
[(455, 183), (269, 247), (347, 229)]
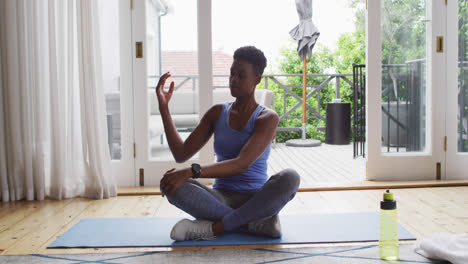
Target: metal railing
[(403, 114), (282, 81), (359, 110), (313, 90), (403, 105), (462, 114), (408, 95), (403, 101)]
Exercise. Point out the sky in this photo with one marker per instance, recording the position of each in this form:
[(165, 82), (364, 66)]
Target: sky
[(262, 23)]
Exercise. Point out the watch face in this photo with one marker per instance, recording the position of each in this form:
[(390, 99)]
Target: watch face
[(196, 169)]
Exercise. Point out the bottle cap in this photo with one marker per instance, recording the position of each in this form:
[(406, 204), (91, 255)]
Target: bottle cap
[(388, 195), (388, 203)]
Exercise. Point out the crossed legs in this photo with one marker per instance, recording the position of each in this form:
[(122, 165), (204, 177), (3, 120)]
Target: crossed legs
[(230, 210)]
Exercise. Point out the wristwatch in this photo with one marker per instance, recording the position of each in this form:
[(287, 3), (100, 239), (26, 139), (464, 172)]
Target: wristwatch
[(196, 170)]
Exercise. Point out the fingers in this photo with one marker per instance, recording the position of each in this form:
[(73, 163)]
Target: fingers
[(163, 183), (166, 189), (171, 88), (162, 81), (169, 190), (165, 76), (169, 171), (161, 188)]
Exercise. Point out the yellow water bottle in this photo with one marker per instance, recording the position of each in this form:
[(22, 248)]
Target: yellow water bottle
[(388, 242)]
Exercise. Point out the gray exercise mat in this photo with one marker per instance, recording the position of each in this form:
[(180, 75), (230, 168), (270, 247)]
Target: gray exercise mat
[(154, 232)]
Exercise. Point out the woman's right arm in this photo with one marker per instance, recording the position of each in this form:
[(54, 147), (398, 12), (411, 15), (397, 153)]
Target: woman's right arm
[(184, 150)]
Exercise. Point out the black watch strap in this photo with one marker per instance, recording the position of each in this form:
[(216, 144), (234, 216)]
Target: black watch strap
[(196, 170)]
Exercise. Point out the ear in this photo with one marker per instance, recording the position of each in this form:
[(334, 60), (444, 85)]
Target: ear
[(258, 78)]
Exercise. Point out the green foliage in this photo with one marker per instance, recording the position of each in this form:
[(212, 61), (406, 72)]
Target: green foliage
[(403, 30), (404, 25), (350, 49), (320, 62), (462, 25), (463, 71)]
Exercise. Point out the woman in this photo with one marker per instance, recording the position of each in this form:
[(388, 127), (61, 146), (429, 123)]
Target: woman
[(242, 199)]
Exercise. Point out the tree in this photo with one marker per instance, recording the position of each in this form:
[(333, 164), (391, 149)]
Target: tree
[(463, 73), (290, 63), (403, 28), (350, 49), (403, 40)]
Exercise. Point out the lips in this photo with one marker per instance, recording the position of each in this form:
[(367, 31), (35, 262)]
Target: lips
[(233, 90)]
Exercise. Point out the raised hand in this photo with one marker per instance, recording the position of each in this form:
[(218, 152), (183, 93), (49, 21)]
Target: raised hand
[(163, 96)]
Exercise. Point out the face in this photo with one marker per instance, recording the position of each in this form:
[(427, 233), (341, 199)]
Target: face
[(243, 78)]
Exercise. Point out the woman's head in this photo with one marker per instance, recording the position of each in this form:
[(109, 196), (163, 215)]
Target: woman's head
[(246, 70), (253, 56)]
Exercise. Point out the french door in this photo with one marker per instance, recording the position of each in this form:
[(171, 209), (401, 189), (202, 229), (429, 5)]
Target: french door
[(115, 20), (417, 94), (190, 66), (134, 56), (457, 90), (406, 89)]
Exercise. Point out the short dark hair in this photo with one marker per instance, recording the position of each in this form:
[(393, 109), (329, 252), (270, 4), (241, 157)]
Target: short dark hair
[(253, 56)]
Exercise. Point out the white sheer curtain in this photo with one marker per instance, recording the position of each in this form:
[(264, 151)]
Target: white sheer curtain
[(53, 139)]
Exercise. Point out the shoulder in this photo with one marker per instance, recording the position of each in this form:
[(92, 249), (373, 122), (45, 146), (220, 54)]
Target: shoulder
[(214, 112), (267, 117), (215, 109)]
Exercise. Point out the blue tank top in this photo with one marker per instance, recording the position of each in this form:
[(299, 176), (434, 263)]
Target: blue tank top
[(227, 145)]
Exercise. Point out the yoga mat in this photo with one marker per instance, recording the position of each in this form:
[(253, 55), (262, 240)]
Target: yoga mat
[(154, 232)]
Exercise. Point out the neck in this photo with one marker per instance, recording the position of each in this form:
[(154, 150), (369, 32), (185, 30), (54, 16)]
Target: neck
[(245, 104)]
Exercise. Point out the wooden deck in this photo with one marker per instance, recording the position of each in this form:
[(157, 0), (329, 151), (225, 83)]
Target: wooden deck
[(319, 166), (325, 165)]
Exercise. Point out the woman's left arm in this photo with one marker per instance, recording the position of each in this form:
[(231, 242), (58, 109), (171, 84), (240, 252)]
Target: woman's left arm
[(265, 132)]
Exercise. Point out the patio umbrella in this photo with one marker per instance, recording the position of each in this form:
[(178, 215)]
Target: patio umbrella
[(306, 34)]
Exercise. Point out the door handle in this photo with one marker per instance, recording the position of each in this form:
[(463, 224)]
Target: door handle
[(139, 49)]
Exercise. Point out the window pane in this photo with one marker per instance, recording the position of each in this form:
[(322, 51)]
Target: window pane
[(110, 50), (462, 115), (404, 79), (172, 46)]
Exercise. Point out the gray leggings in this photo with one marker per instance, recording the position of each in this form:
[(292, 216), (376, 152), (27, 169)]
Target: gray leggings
[(236, 209)]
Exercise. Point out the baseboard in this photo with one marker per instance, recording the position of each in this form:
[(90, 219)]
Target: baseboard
[(365, 185)]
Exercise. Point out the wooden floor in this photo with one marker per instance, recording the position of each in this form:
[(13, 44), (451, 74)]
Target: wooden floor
[(319, 166), (28, 227)]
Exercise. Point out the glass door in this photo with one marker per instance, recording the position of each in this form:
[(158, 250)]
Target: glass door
[(115, 22), (457, 90), (406, 78), (174, 38)]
